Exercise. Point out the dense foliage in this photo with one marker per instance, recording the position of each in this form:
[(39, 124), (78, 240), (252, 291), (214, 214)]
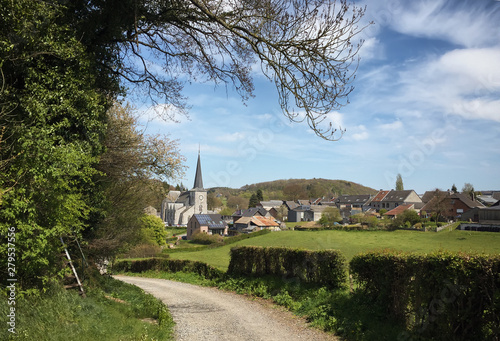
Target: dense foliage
[(441, 296), (326, 266)]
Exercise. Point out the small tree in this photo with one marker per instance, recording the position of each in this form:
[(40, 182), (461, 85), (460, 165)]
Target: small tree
[(330, 216), (253, 201), (155, 224), (260, 196), (454, 188), (399, 183)]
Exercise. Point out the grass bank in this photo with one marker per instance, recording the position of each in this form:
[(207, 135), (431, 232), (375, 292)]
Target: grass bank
[(351, 243), (112, 311)]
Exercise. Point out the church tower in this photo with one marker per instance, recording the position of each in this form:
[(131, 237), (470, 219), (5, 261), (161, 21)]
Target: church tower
[(198, 195)]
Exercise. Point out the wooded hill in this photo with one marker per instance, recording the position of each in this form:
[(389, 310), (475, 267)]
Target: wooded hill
[(293, 189)]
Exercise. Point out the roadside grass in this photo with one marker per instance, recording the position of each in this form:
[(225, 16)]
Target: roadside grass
[(351, 243), (112, 310)]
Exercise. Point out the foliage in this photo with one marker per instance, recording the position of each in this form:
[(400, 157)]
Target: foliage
[(441, 295), (409, 217), (111, 311), (207, 239), (52, 125), (169, 265), (155, 224), (330, 216), (399, 183), (253, 202), (326, 266)]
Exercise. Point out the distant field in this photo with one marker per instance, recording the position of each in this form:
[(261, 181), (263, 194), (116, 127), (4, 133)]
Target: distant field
[(354, 242)]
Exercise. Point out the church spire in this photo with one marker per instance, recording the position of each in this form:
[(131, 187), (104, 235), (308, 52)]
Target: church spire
[(198, 180)]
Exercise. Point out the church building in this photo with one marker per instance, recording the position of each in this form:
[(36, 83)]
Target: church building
[(177, 208)]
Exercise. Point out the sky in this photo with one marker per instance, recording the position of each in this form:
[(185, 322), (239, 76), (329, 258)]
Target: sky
[(426, 105)]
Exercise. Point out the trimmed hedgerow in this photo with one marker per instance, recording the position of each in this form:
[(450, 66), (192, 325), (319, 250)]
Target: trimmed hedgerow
[(169, 265), (452, 296), (325, 267)]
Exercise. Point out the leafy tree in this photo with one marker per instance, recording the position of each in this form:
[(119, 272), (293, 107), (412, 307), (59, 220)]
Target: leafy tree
[(259, 195), (54, 109), (468, 189), (294, 192), (454, 188), (131, 161), (213, 201), (330, 216), (408, 217), (254, 201), (156, 225), (399, 183)]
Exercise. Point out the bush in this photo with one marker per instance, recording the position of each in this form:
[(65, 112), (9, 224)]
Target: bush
[(440, 296), (326, 267), (169, 265), (207, 239)]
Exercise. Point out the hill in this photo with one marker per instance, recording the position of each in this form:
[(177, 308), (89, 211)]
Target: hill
[(293, 189)]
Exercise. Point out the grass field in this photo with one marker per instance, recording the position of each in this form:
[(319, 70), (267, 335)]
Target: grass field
[(354, 242)]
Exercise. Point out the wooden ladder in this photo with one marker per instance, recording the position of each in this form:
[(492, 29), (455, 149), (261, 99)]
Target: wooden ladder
[(78, 283)]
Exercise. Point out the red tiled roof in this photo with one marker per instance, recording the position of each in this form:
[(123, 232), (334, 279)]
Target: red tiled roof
[(398, 210), (380, 195)]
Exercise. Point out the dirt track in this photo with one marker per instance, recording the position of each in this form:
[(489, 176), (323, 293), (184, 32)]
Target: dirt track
[(203, 313)]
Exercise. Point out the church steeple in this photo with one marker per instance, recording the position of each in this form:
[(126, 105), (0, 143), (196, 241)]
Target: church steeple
[(198, 180)]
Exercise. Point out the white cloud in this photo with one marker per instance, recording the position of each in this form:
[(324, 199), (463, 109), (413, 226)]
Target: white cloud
[(393, 126), (469, 24), (233, 137), (360, 133)]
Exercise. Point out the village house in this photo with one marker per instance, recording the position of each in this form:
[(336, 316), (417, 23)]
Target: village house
[(206, 223), (398, 210), (251, 212), (394, 199), (352, 202), (484, 215), (375, 203), (306, 213), (253, 224), (448, 204)]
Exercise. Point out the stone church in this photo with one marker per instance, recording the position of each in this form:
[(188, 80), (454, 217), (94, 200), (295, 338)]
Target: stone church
[(177, 208)]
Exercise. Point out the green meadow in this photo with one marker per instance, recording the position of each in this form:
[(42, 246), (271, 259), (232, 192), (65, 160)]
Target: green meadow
[(351, 243)]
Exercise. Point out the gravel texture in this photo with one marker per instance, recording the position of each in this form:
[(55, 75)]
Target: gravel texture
[(205, 314)]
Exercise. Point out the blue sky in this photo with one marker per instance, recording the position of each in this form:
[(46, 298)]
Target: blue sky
[(426, 104)]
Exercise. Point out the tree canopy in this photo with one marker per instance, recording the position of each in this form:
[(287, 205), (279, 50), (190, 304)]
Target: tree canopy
[(65, 63)]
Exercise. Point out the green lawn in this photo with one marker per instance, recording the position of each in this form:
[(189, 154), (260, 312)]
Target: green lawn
[(354, 242)]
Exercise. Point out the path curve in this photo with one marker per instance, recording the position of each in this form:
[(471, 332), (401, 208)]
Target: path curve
[(205, 314)]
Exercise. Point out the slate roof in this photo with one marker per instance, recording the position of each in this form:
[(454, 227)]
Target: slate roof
[(397, 196), (352, 199), (213, 221), (198, 180)]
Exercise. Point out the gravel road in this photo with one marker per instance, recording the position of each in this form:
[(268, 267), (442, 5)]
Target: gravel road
[(205, 314)]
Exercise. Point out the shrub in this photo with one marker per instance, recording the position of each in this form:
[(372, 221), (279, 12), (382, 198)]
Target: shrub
[(207, 239), (169, 265), (439, 296), (326, 267)]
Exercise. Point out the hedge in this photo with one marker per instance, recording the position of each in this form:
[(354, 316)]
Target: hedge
[(326, 267), (170, 265), (443, 296)]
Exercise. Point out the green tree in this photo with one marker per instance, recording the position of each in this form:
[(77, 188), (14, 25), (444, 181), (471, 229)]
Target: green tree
[(399, 183), (213, 201), (52, 133), (468, 190), (156, 225), (254, 201), (259, 195), (454, 189), (330, 216)]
